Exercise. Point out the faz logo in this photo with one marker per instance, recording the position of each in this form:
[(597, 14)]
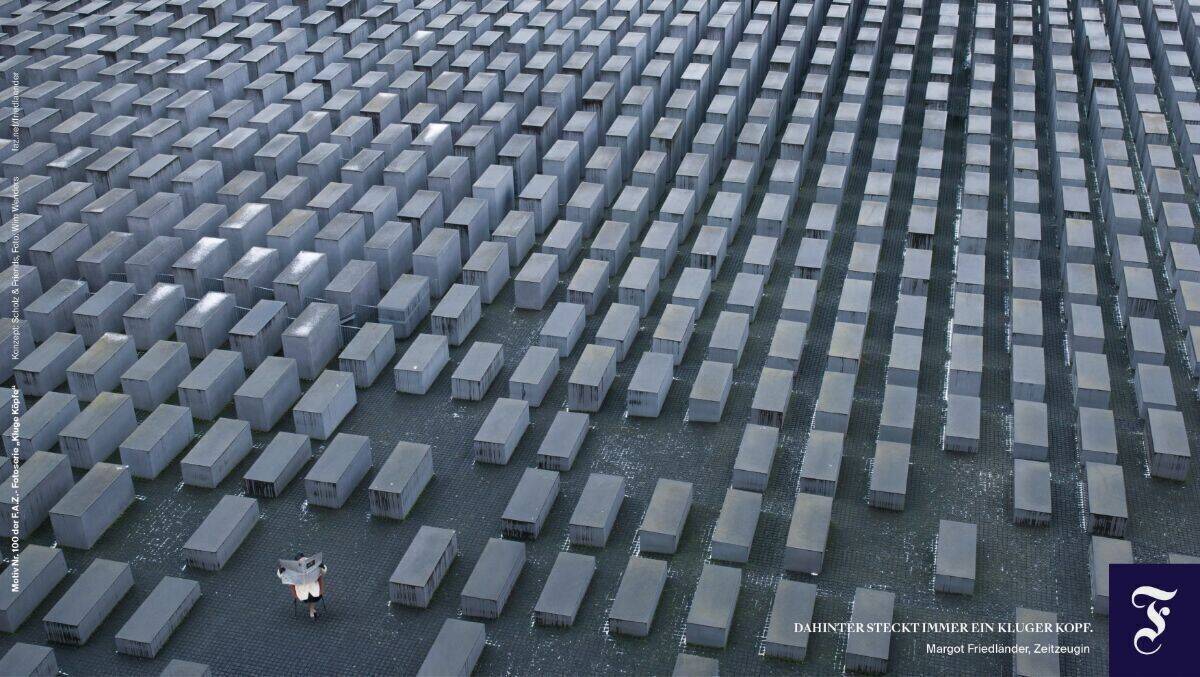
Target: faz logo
[(1155, 619), (1155, 616)]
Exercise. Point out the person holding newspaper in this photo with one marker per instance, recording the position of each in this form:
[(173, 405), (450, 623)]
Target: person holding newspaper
[(306, 577)]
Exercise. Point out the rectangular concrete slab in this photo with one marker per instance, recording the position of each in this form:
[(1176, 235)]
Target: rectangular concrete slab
[(710, 616), (564, 590), (423, 566), (637, 597), (154, 621)]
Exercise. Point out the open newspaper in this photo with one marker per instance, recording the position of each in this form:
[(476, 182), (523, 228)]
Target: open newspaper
[(303, 571)]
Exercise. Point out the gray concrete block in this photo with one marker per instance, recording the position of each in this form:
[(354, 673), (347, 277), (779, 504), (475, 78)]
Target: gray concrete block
[(491, 581), (93, 505), (209, 388), (42, 569), (157, 440), (565, 589), (662, 526), (710, 616), (153, 622), (226, 443), (423, 566), (456, 649), (214, 542), (98, 430), (277, 465), (636, 601), (346, 461), (328, 401), (89, 600), (401, 480)]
